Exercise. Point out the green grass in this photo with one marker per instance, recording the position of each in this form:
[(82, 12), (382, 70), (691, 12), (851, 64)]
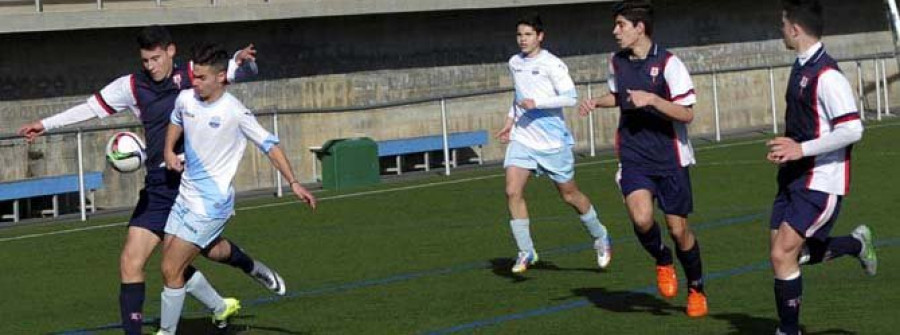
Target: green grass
[(435, 255)]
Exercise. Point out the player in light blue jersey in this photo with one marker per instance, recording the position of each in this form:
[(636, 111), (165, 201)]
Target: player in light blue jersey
[(539, 141), (216, 127)]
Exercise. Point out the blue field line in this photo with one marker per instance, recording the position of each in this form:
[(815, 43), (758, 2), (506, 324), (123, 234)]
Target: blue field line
[(585, 302), (420, 274)]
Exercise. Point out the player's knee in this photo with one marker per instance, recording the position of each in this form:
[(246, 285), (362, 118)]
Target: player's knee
[(571, 197), (514, 193), (218, 252), (172, 275), (131, 268), (678, 232)]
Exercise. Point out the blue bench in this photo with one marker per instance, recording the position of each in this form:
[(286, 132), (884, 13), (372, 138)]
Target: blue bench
[(47, 186), (427, 144)]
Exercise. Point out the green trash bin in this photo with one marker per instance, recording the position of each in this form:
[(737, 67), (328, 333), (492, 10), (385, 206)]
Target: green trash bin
[(349, 162)]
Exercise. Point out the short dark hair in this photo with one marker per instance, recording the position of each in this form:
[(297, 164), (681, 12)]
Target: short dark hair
[(805, 13), (210, 54), (532, 20), (636, 11), (154, 36)]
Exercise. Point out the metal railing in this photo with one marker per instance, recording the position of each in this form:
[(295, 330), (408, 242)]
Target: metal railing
[(39, 4), (881, 92)]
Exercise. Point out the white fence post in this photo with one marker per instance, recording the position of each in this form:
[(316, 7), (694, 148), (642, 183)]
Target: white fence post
[(591, 140), (716, 105), (81, 192), (860, 90), (772, 96), (446, 137), (884, 86), (278, 189), (877, 91)]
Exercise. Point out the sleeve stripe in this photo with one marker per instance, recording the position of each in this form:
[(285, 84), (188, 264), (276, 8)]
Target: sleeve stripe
[(845, 118), (682, 96), (134, 91), (109, 110)]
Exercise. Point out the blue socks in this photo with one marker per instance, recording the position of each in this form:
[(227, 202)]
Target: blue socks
[(652, 242), (787, 300), (693, 267), (832, 248), (131, 304), (239, 259)]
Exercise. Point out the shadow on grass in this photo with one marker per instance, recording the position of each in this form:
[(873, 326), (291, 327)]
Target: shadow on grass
[(502, 267), (239, 325)]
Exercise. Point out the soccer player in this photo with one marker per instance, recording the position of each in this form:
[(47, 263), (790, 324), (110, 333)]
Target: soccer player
[(822, 123), (216, 127), (539, 140), (655, 95), (151, 94)]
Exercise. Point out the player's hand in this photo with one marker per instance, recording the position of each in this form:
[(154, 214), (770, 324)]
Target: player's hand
[(503, 135), (783, 150), (304, 195), (246, 54), (173, 162), (642, 98), (587, 106), (527, 104), (32, 130)]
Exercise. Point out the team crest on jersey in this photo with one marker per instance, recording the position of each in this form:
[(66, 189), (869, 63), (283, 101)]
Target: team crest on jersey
[(215, 122), (654, 72), (804, 81), (177, 80)]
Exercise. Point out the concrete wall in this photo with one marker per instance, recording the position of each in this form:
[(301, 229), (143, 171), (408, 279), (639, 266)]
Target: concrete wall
[(322, 76)]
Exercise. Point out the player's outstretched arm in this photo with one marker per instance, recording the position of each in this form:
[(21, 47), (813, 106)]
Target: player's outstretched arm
[(173, 133), (242, 66), (280, 162)]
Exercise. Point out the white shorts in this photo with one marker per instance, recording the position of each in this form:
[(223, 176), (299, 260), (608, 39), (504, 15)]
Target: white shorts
[(559, 164), (198, 229)]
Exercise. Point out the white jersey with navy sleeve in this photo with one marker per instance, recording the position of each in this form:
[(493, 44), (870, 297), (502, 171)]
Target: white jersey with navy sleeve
[(215, 135), (545, 79)]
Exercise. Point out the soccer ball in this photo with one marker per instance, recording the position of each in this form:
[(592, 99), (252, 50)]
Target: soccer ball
[(125, 152)]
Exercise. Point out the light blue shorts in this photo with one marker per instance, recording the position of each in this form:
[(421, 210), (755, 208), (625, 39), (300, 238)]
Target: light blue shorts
[(559, 164), (198, 229)]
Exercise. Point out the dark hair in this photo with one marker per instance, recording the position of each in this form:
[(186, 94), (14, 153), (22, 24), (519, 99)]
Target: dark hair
[(532, 20), (636, 11), (213, 55), (805, 13), (154, 36)]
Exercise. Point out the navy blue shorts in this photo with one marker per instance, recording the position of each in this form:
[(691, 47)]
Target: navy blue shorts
[(156, 200), (811, 213), (671, 189)]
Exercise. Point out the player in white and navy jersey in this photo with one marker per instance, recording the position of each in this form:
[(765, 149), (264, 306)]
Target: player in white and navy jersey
[(215, 128), (540, 142), (150, 94), (655, 95), (822, 123)]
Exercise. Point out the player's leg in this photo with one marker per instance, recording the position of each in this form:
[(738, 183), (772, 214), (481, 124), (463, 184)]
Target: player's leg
[(139, 244), (226, 252), (589, 218), (516, 179), (788, 285), (638, 188), (177, 256), (196, 283), (676, 201), (519, 162)]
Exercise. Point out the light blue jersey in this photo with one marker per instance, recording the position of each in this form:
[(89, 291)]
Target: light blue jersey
[(544, 79), (215, 135)]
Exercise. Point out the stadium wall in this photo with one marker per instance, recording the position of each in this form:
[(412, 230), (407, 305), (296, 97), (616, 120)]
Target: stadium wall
[(362, 60)]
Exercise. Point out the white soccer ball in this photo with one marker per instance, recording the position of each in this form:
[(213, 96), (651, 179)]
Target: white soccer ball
[(125, 152)]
